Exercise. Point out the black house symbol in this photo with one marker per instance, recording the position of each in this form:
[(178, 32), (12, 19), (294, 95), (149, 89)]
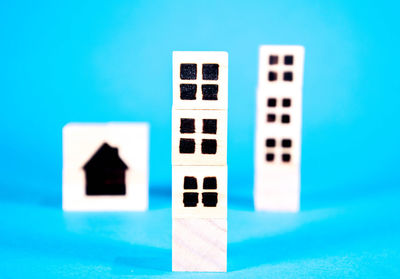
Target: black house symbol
[(105, 172)]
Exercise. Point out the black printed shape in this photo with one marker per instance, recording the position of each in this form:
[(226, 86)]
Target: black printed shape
[(271, 117), (287, 76), (209, 146), (286, 157), (105, 173), (286, 143), (189, 182), (186, 146), (270, 142), (210, 182), (210, 199), (190, 199), (209, 126), (288, 60), (210, 92), (286, 102), (285, 118), (273, 59), (188, 91), (270, 157), (188, 71), (271, 102), (210, 71), (187, 125), (272, 76)]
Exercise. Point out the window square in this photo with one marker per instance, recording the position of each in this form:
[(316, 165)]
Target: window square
[(209, 146), (288, 60), (286, 143), (188, 91), (210, 71), (285, 118), (189, 182), (272, 76), (287, 76), (271, 117), (210, 183), (286, 157), (190, 199), (273, 59), (188, 71), (209, 126), (270, 142), (210, 199), (270, 157), (286, 102), (271, 102), (210, 92), (186, 146), (187, 125)]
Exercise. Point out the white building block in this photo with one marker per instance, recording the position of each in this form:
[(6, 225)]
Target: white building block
[(199, 137), (105, 167), (200, 80), (278, 132), (199, 192), (199, 244)]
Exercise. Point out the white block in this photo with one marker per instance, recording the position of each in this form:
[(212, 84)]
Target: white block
[(200, 80), (199, 191), (199, 137), (100, 187), (199, 245)]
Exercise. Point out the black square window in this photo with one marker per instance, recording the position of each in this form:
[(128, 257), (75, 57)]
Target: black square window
[(288, 60), (271, 102), (286, 157), (188, 71), (286, 102), (272, 76), (210, 92), (209, 146), (273, 59), (189, 182), (270, 143), (271, 117), (210, 71), (286, 143), (188, 91), (209, 126), (190, 199), (186, 146), (287, 76), (187, 125), (270, 157), (285, 118), (210, 182), (210, 199)]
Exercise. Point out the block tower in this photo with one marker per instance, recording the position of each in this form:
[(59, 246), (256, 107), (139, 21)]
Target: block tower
[(199, 161), (278, 132)]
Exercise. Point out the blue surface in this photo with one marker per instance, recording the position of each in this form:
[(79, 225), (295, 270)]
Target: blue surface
[(111, 61)]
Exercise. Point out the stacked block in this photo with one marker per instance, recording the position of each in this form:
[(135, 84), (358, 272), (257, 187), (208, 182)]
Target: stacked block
[(278, 132), (199, 161)]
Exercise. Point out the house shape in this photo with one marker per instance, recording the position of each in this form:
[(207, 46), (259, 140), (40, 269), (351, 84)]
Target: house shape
[(105, 173)]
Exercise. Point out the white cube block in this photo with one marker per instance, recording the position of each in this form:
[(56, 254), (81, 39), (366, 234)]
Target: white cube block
[(105, 166)]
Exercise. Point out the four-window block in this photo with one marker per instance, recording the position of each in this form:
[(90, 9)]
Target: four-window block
[(191, 198), (208, 146), (287, 61), (271, 144)]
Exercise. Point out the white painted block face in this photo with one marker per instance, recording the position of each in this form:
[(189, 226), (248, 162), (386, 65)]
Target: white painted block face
[(199, 192), (199, 137), (200, 80), (93, 155), (199, 245)]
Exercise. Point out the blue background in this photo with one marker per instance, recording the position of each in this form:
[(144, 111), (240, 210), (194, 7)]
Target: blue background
[(96, 61)]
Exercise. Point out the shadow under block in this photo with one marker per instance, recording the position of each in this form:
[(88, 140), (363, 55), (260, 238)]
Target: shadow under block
[(129, 146), (199, 244)]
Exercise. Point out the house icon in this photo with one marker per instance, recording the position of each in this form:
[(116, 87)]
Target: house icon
[(105, 172)]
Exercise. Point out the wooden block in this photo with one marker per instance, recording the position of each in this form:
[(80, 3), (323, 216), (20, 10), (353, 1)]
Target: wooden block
[(199, 244), (199, 192), (200, 80), (105, 166), (199, 137)]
